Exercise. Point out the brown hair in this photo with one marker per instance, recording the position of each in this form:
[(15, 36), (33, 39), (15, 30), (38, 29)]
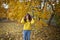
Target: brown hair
[(29, 17)]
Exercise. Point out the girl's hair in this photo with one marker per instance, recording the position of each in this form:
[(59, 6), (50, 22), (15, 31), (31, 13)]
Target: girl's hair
[(29, 17)]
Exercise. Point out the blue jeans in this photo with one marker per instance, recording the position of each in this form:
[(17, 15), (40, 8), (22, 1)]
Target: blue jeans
[(26, 34)]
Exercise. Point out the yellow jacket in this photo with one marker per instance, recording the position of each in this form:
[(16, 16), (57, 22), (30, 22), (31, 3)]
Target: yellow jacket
[(27, 25)]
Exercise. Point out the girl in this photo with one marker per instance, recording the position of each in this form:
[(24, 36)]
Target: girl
[(27, 21)]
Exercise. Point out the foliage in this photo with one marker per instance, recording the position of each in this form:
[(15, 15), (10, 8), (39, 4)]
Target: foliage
[(18, 9), (57, 19)]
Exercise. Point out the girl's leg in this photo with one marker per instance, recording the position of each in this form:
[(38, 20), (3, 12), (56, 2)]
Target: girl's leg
[(28, 35), (24, 34)]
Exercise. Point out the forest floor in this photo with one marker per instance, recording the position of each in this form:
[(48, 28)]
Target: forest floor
[(13, 31)]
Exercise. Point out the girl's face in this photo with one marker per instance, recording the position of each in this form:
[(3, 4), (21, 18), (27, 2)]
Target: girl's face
[(27, 17)]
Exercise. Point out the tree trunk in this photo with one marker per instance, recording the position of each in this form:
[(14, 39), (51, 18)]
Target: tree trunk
[(51, 19)]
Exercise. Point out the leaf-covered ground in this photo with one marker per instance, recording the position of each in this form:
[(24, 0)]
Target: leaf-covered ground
[(13, 31)]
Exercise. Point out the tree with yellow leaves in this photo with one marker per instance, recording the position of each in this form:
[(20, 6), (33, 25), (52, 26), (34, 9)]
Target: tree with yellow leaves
[(18, 8)]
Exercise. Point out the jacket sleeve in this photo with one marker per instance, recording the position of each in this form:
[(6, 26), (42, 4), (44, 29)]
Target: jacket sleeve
[(32, 21), (22, 21)]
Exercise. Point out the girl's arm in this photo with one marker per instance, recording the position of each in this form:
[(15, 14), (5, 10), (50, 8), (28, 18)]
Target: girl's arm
[(22, 21), (32, 21)]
